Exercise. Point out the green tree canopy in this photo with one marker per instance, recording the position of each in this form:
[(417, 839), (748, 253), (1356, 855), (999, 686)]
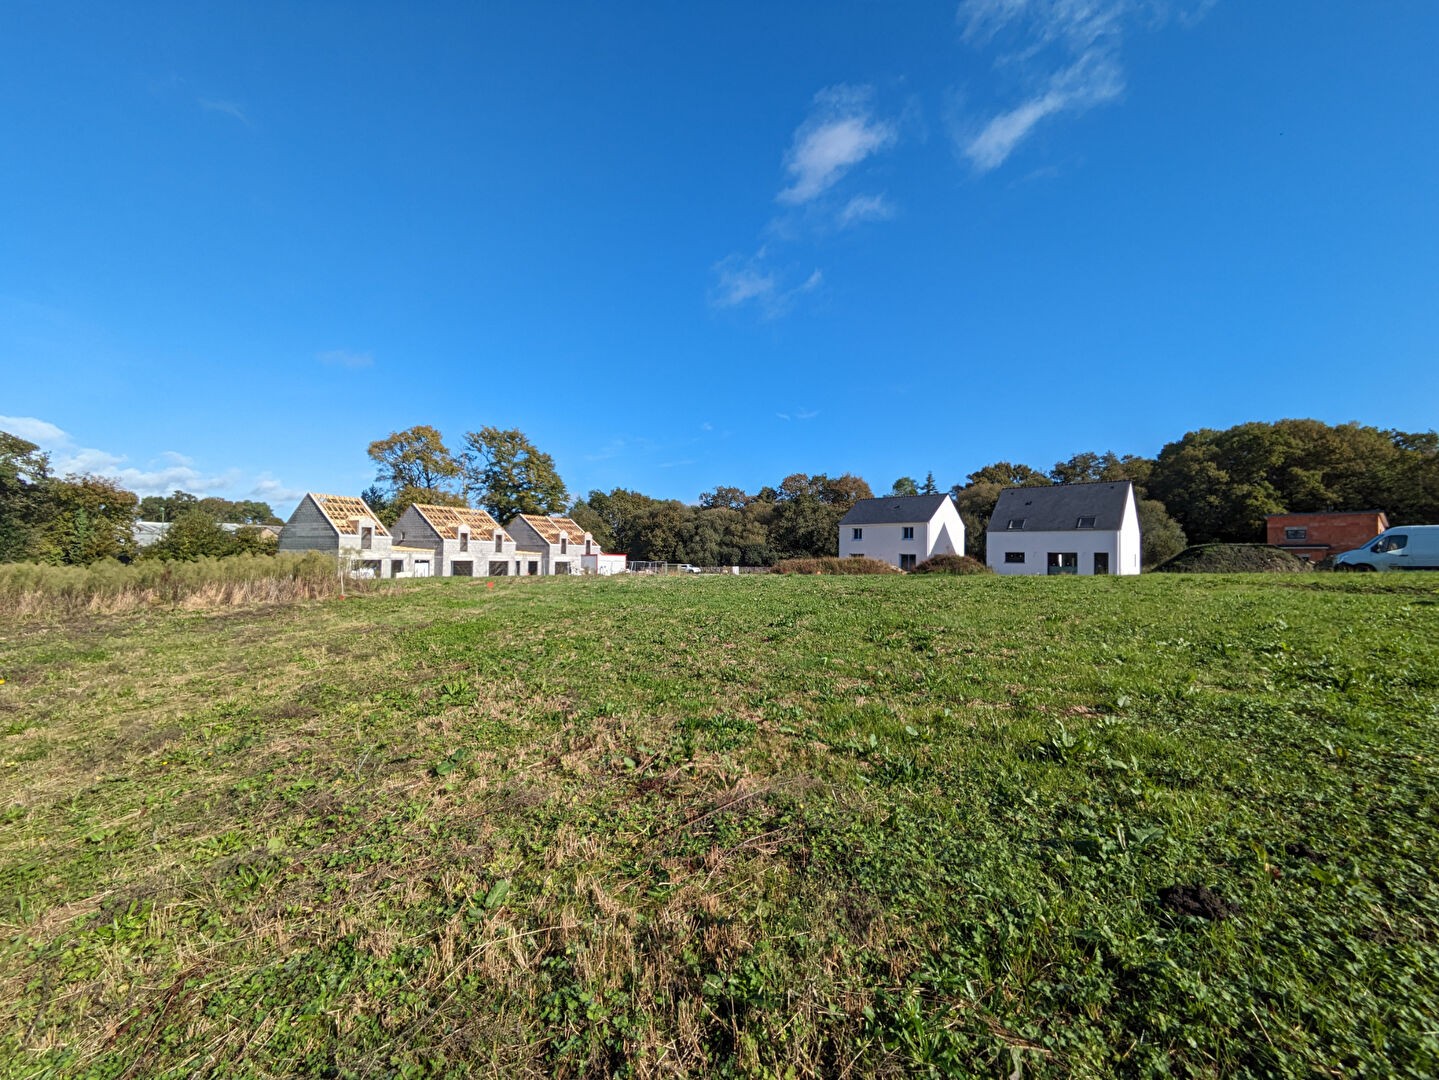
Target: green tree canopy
[(415, 458), (508, 475), (24, 476), (91, 517), (905, 485)]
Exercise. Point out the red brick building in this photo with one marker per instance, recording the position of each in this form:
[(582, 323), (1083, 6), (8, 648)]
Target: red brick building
[(1316, 536)]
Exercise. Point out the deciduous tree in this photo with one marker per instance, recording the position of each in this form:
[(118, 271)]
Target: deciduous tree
[(415, 458), (508, 475)]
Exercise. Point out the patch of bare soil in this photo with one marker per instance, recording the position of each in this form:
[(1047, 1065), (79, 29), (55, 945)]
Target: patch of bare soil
[(1198, 901)]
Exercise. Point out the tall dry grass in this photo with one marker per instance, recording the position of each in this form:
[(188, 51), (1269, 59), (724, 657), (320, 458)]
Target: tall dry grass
[(31, 590)]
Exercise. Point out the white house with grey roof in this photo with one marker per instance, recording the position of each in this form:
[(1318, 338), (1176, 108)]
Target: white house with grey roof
[(901, 529), (1081, 529)]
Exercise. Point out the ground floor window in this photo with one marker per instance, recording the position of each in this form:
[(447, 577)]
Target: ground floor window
[(1101, 562), (1014, 556), (534, 568), (397, 567), (462, 569), (562, 568), (856, 554), (1063, 562), (499, 569), (906, 562)]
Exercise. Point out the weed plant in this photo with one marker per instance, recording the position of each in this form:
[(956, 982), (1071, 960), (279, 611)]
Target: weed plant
[(35, 591), (832, 565)]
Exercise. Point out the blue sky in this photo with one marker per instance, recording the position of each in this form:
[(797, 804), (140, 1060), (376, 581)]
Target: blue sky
[(684, 245)]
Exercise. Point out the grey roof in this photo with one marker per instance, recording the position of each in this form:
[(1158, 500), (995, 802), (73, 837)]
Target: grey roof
[(1059, 508), (893, 510)]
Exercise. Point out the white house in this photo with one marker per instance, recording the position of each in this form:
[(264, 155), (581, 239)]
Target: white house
[(1065, 529), (901, 529), (347, 528), (465, 542)]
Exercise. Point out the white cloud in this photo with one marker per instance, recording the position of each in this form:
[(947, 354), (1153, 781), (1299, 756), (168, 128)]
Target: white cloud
[(166, 472), (839, 133), (1068, 51), (863, 208), (344, 358), (751, 280), (798, 414), (268, 489), (33, 430), (1092, 80), (741, 280)]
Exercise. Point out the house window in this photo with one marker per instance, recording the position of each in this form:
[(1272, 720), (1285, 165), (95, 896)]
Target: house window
[(906, 562), (499, 540), (1101, 562), (856, 534), (1084, 523), (564, 544), (1016, 523), (367, 538), (856, 554), (908, 532), (1014, 556), (464, 541), (1296, 534)]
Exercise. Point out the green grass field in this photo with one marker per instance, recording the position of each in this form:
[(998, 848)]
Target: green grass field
[(729, 826)]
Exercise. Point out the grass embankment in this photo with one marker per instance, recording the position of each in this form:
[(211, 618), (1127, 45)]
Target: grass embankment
[(852, 826)]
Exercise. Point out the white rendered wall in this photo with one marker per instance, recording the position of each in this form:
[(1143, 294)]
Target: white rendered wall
[(941, 535)]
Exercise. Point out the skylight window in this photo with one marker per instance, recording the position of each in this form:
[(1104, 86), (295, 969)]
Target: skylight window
[(1085, 523), (1016, 523)]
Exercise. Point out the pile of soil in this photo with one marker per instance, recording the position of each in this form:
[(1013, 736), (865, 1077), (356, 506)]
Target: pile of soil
[(1198, 901), (1233, 559)]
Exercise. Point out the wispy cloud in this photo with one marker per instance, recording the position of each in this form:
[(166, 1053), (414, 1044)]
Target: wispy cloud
[(1092, 80), (864, 208), (344, 358), (225, 108), (168, 471), (798, 414), (1068, 52), (840, 132), (741, 280)]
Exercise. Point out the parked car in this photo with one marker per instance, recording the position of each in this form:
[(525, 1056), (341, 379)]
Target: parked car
[(686, 568), (1405, 547)]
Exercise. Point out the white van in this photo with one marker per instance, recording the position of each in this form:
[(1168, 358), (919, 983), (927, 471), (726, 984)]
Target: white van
[(1406, 547)]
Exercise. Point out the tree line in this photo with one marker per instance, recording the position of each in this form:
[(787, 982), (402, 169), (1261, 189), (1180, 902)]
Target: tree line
[(1210, 485), (80, 519)]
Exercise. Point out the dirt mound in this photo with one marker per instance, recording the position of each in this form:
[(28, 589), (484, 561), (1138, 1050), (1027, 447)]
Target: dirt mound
[(1233, 559), (1197, 900)]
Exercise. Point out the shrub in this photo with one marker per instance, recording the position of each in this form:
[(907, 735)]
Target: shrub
[(952, 564), (1232, 559), (832, 565)]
